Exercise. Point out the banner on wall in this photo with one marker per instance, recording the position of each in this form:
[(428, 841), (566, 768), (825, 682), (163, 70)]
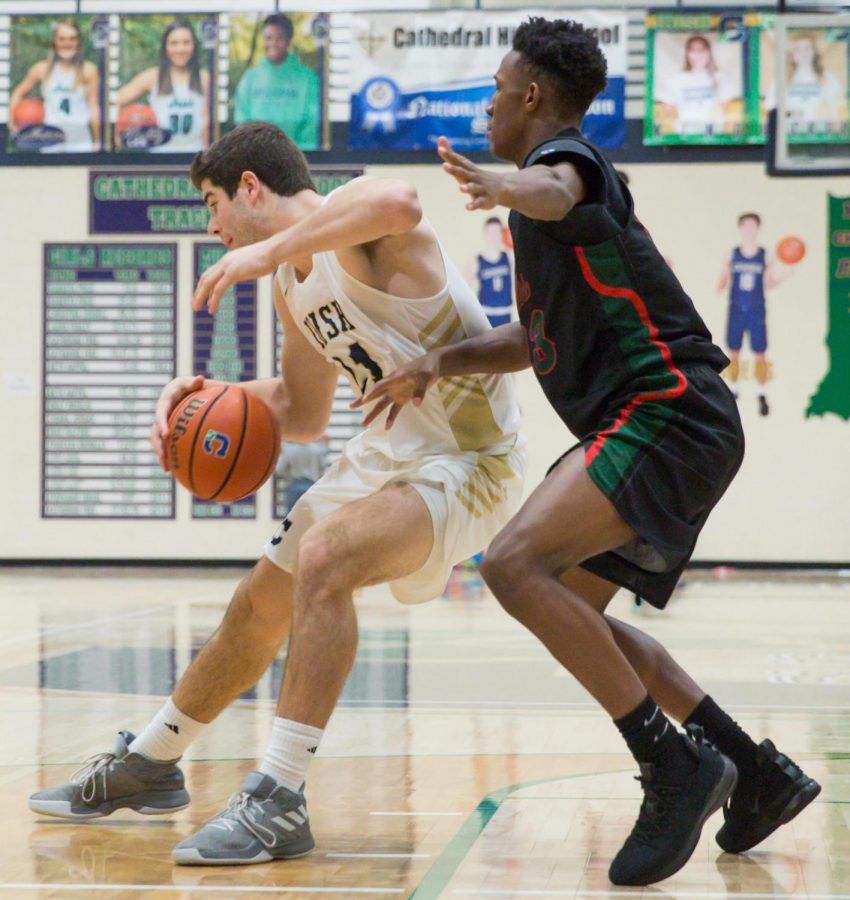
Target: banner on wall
[(224, 348), (162, 83), (703, 75), (57, 72), (166, 77), (276, 67), (833, 393), (416, 76), (164, 201)]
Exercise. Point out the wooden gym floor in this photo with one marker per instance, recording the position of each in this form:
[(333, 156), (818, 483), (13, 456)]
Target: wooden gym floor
[(462, 761)]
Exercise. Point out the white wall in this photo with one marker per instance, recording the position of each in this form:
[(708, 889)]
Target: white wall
[(790, 501)]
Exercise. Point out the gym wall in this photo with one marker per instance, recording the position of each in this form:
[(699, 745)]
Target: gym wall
[(788, 503)]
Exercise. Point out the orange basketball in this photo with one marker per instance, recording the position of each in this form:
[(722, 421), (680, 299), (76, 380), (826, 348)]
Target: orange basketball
[(135, 115), (223, 443), (791, 250), (29, 111)]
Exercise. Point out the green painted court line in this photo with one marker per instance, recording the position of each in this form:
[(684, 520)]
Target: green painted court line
[(448, 862)]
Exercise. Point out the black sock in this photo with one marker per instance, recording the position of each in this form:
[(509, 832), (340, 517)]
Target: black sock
[(653, 738), (726, 734)]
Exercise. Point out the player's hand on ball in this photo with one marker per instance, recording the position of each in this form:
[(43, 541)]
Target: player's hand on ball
[(408, 384), (243, 264), (171, 395), (483, 188)]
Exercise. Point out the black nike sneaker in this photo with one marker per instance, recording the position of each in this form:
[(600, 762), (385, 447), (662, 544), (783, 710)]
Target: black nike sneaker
[(779, 791), (672, 814)]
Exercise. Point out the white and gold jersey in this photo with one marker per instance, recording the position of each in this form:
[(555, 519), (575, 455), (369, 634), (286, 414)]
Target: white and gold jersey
[(368, 334)]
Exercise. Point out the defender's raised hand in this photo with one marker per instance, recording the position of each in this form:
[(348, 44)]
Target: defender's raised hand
[(482, 187)]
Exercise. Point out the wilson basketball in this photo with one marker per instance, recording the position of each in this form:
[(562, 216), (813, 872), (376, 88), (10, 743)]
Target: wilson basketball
[(223, 443), (135, 115), (29, 111), (791, 250)]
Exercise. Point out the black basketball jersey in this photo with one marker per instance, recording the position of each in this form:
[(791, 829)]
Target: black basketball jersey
[(605, 317)]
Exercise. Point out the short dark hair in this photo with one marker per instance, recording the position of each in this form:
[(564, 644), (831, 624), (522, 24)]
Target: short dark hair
[(494, 220), (754, 216), (258, 147), (568, 54), (280, 21)]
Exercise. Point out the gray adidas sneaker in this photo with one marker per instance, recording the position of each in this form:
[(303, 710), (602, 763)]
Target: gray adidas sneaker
[(265, 821), (116, 780)]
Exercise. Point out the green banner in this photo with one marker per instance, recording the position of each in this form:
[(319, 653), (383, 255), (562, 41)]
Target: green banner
[(833, 393)]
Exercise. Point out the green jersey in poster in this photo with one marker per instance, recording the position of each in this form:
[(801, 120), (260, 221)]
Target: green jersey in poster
[(287, 95)]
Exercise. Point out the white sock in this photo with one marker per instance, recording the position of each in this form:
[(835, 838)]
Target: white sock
[(168, 735), (291, 750)]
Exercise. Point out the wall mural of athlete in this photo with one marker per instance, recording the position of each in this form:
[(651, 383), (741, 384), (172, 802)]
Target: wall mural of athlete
[(748, 272), (490, 274)]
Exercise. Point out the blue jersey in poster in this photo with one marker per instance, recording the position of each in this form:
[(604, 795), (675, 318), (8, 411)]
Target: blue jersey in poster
[(495, 289), (746, 300)]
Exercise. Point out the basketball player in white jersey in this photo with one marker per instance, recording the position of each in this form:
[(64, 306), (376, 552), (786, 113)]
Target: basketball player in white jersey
[(362, 286), (69, 88), (177, 89)]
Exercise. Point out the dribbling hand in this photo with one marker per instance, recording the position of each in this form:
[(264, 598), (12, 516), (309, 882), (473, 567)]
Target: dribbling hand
[(171, 395), (243, 264)]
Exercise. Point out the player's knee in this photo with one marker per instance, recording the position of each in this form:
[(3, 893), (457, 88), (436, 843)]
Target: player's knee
[(322, 567), (502, 570)]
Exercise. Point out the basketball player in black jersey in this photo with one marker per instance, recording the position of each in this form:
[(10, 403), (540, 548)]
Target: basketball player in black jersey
[(630, 367)]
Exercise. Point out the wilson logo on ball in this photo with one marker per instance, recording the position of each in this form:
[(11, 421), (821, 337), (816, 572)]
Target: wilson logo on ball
[(216, 443)]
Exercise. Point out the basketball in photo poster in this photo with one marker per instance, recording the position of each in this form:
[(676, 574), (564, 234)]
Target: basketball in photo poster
[(57, 66), (277, 73), (163, 98)]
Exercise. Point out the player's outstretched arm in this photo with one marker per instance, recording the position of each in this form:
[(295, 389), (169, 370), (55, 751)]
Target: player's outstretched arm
[(545, 193), (361, 212), (502, 349)]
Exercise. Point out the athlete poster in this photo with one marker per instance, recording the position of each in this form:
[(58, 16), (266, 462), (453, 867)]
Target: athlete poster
[(166, 76), (276, 73), (698, 78), (57, 69), (814, 72), (416, 76)]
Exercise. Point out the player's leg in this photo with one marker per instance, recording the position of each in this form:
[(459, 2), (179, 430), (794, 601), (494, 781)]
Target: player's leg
[(758, 344), (565, 521), (734, 342), (371, 541), (771, 789), (379, 538), (142, 773)]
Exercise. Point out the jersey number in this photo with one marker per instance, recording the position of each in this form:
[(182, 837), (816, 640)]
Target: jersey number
[(544, 355), (65, 106), (747, 281), (180, 124), (362, 368)]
